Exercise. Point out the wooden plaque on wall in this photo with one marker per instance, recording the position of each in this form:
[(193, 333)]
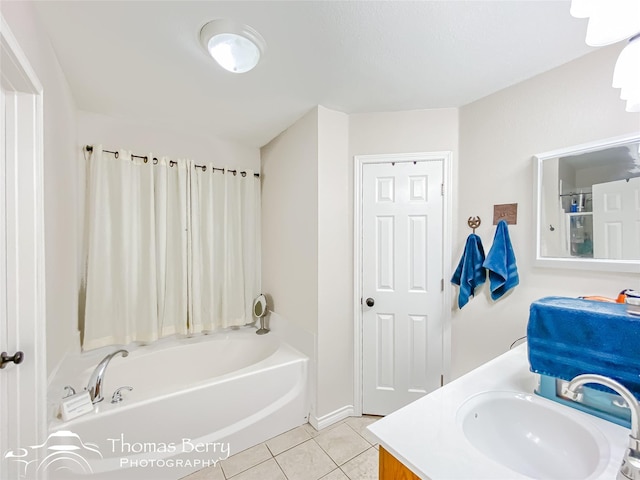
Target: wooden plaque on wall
[(507, 212)]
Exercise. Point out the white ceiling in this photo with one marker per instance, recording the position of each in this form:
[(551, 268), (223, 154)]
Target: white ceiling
[(142, 59)]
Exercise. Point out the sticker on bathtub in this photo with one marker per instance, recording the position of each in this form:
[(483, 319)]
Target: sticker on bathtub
[(62, 454)]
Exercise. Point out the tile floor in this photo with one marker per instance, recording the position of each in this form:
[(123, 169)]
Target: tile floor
[(343, 451)]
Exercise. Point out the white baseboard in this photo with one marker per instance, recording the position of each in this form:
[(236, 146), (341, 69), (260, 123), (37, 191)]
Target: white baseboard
[(331, 418)]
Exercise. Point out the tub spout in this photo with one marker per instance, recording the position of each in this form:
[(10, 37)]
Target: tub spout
[(95, 381)]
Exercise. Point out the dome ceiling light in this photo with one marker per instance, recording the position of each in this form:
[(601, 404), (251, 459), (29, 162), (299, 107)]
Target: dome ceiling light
[(236, 47)]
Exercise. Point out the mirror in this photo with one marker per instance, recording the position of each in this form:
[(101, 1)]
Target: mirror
[(588, 206), (260, 306)]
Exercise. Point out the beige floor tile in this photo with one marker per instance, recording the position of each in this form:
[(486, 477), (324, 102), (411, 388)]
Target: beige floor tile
[(360, 424), (313, 432), (337, 474), (288, 440), (244, 460), (310, 430), (342, 443), (209, 473), (363, 467), (268, 470), (306, 461)]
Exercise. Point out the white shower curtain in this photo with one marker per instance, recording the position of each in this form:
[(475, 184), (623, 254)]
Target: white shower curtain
[(172, 237), (224, 276), (171, 248)]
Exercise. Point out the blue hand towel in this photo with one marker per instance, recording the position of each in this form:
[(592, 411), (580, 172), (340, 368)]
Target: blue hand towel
[(501, 263), (470, 272), (570, 336)]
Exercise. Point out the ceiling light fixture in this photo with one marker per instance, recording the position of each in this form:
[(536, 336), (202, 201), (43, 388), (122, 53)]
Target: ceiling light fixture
[(611, 21), (236, 47)]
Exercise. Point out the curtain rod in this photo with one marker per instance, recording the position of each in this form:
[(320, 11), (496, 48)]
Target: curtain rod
[(89, 148)]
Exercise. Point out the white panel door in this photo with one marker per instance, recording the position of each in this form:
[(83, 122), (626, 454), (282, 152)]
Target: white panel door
[(22, 322), (9, 375), (7, 379), (616, 219), (402, 271)]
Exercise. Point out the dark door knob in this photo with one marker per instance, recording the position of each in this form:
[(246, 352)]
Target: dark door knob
[(17, 358), (370, 302)]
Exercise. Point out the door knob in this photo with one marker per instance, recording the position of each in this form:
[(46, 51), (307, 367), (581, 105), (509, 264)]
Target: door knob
[(17, 358), (370, 302)]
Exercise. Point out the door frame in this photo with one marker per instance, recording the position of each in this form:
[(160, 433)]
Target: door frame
[(26, 163), (447, 236)]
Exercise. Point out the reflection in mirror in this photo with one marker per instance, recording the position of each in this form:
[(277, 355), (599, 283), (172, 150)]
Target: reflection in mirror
[(589, 202)]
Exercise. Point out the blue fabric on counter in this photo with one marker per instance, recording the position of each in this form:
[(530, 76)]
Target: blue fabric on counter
[(470, 273), (501, 263), (571, 336)]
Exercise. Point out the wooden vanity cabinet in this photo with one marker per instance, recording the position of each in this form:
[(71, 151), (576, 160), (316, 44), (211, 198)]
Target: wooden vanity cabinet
[(392, 469)]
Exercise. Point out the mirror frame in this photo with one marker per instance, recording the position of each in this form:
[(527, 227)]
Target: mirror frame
[(624, 266), (260, 300)]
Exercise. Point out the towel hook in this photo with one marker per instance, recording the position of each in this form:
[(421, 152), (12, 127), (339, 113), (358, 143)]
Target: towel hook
[(474, 222)]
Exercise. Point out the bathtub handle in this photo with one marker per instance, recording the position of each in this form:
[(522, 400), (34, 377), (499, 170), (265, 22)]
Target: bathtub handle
[(117, 396), (69, 391)]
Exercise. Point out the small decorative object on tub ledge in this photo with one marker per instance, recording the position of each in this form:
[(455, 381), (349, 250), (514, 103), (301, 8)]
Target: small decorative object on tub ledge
[(260, 312), (75, 405)]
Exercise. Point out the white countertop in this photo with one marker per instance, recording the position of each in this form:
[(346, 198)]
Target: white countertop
[(426, 437)]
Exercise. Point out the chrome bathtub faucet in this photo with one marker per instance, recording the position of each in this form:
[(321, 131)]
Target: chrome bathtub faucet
[(630, 468), (95, 381)]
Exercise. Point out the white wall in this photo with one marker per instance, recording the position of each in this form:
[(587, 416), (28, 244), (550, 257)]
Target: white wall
[(335, 285), (306, 259), (290, 222), (403, 132), (60, 181), (499, 134)]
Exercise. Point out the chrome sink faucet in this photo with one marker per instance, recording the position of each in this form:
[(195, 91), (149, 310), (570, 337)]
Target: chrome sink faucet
[(630, 468), (95, 381)]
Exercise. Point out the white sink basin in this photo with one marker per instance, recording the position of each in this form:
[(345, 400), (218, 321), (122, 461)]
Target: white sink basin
[(533, 436)]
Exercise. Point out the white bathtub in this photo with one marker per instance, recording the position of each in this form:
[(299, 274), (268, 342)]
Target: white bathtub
[(194, 401)]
